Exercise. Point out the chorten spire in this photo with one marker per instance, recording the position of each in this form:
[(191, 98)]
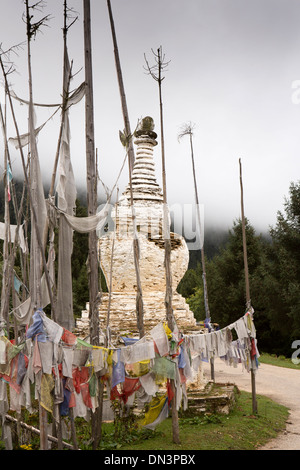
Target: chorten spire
[(144, 184)]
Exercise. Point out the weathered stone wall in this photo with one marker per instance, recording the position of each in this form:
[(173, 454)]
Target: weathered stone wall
[(116, 251), (152, 269), (123, 313)]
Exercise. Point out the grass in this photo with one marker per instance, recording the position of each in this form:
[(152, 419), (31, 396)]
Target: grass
[(279, 361), (239, 430)]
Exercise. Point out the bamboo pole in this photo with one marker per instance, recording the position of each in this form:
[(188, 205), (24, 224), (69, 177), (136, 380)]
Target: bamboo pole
[(247, 284)]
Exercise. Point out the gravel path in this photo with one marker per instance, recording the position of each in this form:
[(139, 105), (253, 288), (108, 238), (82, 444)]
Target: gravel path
[(280, 384)]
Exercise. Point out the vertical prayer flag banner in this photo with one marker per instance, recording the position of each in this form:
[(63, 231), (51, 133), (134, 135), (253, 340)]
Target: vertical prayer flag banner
[(9, 179), (157, 412), (9, 173), (66, 197), (17, 284)]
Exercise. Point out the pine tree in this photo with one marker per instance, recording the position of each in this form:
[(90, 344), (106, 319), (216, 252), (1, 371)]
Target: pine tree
[(286, 264)]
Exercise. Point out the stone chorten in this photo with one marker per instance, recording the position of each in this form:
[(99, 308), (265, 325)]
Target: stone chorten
[(148, 207)]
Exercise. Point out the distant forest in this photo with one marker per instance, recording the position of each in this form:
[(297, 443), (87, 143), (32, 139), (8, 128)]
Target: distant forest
[(274, 274)]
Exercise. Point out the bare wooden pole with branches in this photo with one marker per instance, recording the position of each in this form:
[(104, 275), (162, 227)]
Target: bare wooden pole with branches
[(24, 166), (188, 130), (65, 94), (156, 72), (247, 284), (32, 29)]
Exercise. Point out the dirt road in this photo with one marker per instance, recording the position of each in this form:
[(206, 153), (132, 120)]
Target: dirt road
[(280, 384)]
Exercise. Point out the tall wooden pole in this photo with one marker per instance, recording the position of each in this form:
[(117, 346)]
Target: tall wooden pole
[(248, 298), (6, 273), (166, 227), (131, 156), (206, 304), (35, 255), (167, 241), (131, 159), (91, 203), (91, 176), (39, 237), (136, 257), (35, 263)]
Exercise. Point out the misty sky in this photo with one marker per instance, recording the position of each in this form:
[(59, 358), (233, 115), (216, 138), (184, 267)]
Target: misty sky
[(233, 66)]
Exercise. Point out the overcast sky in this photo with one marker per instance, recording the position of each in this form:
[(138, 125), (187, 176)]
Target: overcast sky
[(233, 66)]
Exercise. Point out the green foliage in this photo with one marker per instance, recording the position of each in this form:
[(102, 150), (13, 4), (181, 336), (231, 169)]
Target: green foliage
[(226, 275), (279, 361), (285, 267), (239, 430), (274, 274), (125, 423), (79, 266), (196, 303), (188, 283), (274, 277)]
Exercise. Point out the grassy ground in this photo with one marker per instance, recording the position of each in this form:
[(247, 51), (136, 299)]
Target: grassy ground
[(279, 361), (239, 430)]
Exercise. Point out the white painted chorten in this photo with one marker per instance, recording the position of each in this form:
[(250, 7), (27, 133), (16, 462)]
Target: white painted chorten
[(148, 207)]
